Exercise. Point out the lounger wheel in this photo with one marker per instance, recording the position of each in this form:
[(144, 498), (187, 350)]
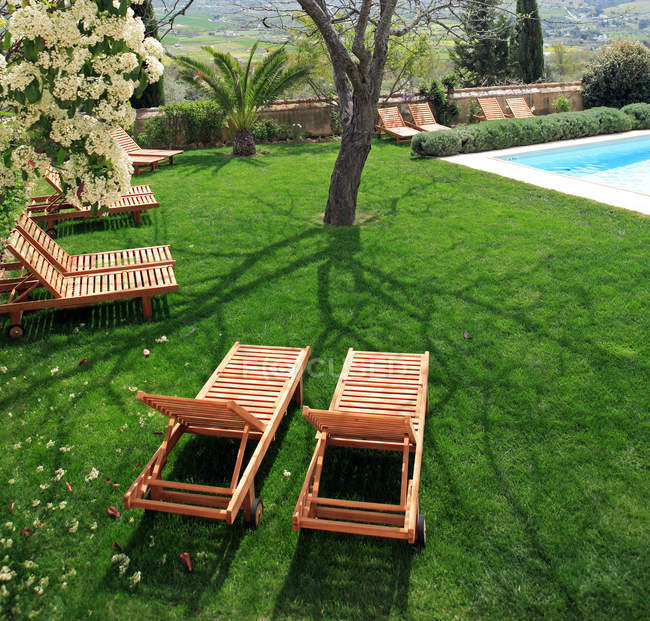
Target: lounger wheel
[(421, 532), (256, 513), (51, 232), (16, 330)]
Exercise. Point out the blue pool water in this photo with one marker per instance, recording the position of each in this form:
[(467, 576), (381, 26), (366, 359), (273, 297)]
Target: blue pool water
[(621, 163)]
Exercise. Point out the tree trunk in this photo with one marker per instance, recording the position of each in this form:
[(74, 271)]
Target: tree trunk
[(355, 147), (243, 144)]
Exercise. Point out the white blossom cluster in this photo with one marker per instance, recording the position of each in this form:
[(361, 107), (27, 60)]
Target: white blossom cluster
[(68, 84)]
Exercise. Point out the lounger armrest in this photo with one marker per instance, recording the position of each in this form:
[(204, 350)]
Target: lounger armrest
[(10, 266)]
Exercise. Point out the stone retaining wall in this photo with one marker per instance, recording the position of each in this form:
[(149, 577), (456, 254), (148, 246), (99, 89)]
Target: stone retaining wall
[(313, 115)]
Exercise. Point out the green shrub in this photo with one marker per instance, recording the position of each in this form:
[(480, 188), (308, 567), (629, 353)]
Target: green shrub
[(12, 202), (561, 104), (184, 123), (443, 142), (507, 133), (266, 129), (617, 76), (640, 114)]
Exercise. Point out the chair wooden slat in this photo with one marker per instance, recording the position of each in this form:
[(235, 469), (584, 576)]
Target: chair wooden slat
[(392, 123), (491, 108), (519, 107)]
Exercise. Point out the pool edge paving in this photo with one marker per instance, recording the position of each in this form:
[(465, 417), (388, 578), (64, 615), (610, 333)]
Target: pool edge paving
[(489, 161)]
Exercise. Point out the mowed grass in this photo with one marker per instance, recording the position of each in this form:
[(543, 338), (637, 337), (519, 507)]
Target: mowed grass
[(535, 472)]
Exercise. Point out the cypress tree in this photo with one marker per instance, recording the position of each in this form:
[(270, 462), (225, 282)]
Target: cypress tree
[(530, 41), (153, 94)]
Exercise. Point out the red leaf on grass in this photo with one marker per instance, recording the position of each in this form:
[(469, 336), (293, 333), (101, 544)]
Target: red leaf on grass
[(83, 361), (185, 559), (137, 465), (117, 546), (43, 524), (26, 531), (11, 508), (113, 512), (68, 486), (115, 484), (108, 478)]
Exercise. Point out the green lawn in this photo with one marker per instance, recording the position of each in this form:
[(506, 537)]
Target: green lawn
[(535, 473)]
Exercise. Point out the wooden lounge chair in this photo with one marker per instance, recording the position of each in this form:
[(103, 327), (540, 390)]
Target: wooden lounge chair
[(519, 107), (245, 398), (143, 158), (380, 403), (423, 119), (32, 271), (491, 109), (94, 262), (54, 207), (392, 123)]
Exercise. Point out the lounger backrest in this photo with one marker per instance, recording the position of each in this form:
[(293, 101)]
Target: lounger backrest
[(422, 114), (125, 141), (55, 254), (491, 108), (519, 107), (205, 413), (391, 117), (36, 262), (54, 179), (361, 426)]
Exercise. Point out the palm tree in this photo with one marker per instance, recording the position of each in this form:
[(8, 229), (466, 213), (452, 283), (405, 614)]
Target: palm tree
[(240, 91)]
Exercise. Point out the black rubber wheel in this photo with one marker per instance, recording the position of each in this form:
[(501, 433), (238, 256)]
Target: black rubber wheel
[(421, 532), (256, 513), (16, 330), (51, 232)]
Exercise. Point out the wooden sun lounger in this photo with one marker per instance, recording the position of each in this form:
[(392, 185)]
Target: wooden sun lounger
[(491, 109), (92, 262), (143, 158), (380, 403), (32, 270), (245, 398), (423, 119), (50, 209), (393, 124), (519, 107)]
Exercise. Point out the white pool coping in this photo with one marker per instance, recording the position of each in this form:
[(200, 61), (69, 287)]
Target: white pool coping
[(488, 161)]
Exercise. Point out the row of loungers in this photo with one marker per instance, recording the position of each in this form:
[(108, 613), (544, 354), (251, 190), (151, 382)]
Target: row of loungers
[(70, 281), (392, 123), (380, 403)]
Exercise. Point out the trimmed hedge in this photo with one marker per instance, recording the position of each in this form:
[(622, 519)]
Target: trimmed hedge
[(640, 112), (518, 132), (195, 122)]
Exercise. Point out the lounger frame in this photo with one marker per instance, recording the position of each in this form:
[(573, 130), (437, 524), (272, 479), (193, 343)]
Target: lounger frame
[(380, 403), (423, 118), (519, 107), (491, 109), (143, 158), (393, 124), (32, 270), (246, 398), (54, 207)]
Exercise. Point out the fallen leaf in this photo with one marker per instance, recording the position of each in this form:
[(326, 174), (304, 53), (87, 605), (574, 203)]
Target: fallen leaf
[(113, 512), (185, 559), (108, 478), (191, 331), (43, 524), (466, 335), (11, 508), (68, 486), (115, 484), (137, 465), (26, 531), (117, 546), (83, 361)]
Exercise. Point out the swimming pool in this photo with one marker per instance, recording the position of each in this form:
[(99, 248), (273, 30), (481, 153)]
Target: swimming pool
[(620, 163)]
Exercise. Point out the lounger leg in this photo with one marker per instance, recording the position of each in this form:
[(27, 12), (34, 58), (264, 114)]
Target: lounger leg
[(298, 394), (15, 317), (136, 218), (146, 306), (248, 502)]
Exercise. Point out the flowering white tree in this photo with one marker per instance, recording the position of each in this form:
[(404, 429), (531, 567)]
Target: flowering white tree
[(67, 72)]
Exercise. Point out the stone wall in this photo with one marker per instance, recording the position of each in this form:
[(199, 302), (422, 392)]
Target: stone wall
[(313, 115)]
